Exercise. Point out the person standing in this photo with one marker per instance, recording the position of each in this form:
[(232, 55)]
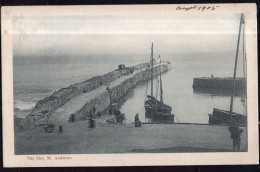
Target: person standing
[(91, 122), (94, 110), (137, 121), (110, 111), (235, 132)]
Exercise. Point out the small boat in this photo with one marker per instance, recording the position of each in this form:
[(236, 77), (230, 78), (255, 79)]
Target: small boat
[(156, 109), (229, 117)]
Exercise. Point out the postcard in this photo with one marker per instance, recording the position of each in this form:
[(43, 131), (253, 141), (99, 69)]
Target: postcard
[(129, 85)]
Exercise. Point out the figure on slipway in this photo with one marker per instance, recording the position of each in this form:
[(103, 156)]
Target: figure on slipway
[(137, 121), (235, 135)]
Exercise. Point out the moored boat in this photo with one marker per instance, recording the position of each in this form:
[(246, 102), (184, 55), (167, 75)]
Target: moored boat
[(156, 109), (224, 117), (229, 117)]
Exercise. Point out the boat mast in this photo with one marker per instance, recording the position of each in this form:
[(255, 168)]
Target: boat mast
[(235, 68), (244, 51), (244, 75), (152, 70), (161, 91), (244, 63)]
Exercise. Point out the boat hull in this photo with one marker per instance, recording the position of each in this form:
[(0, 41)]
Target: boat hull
[(224, 117), (161, 119), (158, 112)]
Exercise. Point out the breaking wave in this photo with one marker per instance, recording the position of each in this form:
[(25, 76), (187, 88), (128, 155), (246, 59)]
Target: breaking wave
[(23, 106)]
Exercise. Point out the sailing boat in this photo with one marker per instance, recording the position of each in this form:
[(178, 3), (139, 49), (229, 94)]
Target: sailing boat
[(229, 117), (156, 109)]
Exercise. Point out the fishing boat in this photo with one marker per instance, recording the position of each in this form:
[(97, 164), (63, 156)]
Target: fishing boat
[(224, 117), (229, 117), (156, 109)]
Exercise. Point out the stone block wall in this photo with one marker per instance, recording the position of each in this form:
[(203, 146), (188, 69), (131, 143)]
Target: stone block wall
[(59, 98), (102, 102)]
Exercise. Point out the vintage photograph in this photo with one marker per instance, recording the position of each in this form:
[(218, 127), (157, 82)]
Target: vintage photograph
[(130, 83)]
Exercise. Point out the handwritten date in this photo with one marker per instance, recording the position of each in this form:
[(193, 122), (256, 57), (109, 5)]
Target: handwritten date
[(197, 7)]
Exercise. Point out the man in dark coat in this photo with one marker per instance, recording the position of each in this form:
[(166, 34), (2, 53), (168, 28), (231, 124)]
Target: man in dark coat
[(235, 135), (137, 121)]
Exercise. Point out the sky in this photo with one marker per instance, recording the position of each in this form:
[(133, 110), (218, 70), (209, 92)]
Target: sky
[(124, 35)]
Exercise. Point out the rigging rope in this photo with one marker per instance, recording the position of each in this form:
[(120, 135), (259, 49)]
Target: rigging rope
[(177, 118), (129, 120)]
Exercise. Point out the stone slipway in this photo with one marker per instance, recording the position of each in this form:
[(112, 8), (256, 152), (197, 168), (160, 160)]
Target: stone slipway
[(63, 113), (80, 98)]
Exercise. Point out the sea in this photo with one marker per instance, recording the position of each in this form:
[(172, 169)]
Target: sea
[(33, 82)]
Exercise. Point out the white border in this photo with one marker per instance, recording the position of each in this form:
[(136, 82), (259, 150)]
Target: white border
[(11, 160)]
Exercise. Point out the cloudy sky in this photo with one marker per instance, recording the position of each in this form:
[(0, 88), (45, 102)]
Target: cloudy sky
[(121, 35)]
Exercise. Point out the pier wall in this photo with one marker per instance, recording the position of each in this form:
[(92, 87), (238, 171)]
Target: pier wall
[(59, 98), (219, 83), (102, 102)]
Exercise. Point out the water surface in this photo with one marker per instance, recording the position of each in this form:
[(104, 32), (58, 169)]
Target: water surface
[(34, 82)]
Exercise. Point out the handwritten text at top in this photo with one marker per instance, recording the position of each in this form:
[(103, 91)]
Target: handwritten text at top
[(197, 7)]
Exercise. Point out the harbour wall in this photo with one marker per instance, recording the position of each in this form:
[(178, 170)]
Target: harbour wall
[(219, 83), (102, 101)]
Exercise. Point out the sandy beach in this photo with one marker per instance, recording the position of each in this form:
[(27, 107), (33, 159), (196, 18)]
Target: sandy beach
[(78, 138)]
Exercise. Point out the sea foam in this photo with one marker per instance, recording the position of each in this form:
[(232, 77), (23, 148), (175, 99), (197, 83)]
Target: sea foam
[(23, 106)]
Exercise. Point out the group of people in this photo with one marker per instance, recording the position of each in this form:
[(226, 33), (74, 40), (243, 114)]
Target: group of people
[(120, 117), (115, 112)]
